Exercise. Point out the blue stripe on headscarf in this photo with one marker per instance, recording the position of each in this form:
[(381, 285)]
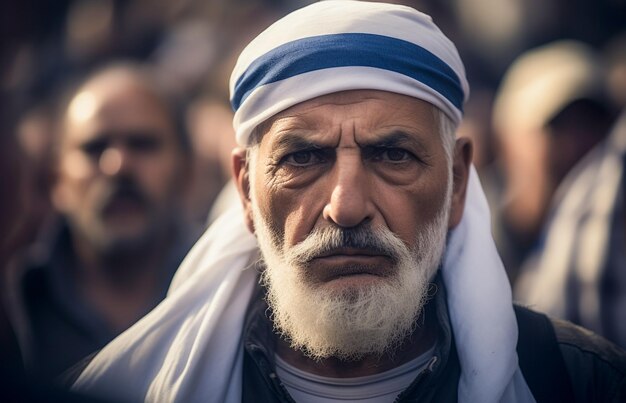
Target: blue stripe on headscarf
[(350, 49)]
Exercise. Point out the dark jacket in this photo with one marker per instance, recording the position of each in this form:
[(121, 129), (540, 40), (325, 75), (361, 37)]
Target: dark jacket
[(596, 368), (54, 325)]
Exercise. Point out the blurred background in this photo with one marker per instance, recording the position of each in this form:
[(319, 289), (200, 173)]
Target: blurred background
[(548, 87)]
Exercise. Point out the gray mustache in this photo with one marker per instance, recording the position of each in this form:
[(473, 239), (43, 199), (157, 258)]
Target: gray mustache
[(324, 241)]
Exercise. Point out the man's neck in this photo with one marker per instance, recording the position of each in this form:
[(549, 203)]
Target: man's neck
[(418, 342)]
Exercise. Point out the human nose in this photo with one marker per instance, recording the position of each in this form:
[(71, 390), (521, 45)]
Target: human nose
[(350, 200), (114, 161)]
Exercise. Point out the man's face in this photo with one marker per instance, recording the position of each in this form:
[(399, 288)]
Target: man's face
[(120, 167), (349, 199)]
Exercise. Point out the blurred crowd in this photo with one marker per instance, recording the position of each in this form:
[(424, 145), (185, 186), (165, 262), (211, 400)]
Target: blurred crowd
[(116, 137)]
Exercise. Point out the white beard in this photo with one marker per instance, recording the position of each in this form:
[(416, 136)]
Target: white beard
[(351, 323)]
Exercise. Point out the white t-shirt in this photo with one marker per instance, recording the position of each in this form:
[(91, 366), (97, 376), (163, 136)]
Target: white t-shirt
[(305, 387)]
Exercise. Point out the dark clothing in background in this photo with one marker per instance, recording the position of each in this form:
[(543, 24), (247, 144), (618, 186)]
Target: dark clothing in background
[(55, 327), (16, 387), (595, 367)]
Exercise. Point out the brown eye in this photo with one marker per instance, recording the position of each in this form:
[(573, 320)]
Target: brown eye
[(393, 155), (144, 143), (95, 148), (302, 158), (396, 154)]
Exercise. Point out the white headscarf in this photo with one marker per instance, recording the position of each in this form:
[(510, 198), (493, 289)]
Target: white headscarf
[(189, 348), (341, 45)]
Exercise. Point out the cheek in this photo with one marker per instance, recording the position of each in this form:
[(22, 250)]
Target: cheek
[(407, 209), (299, 222), (75, 187), (79, 199), (161, 176), (76, 167), (524, 152), (291, 213)]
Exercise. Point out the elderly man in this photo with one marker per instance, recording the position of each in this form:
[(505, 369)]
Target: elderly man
[(379, 280), (109, 258)]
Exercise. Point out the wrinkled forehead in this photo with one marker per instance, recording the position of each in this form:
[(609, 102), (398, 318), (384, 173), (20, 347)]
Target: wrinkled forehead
[(334, 46), (360, 112)]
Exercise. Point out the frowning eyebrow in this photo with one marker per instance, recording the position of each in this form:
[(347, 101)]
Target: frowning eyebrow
[(394, 139), (292, 141)]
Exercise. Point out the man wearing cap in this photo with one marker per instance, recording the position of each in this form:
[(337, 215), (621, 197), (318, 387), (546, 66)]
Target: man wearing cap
[(371, 275), (549, 112)]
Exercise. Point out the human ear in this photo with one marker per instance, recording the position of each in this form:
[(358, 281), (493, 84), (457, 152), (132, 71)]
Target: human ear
[(461, 161), (242, 179)]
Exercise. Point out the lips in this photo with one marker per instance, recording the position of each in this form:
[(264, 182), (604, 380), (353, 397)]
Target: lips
[(344, 262), (349, 252)]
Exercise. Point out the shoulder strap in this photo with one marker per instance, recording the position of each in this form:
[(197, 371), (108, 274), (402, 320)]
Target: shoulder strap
[(540, 358)]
